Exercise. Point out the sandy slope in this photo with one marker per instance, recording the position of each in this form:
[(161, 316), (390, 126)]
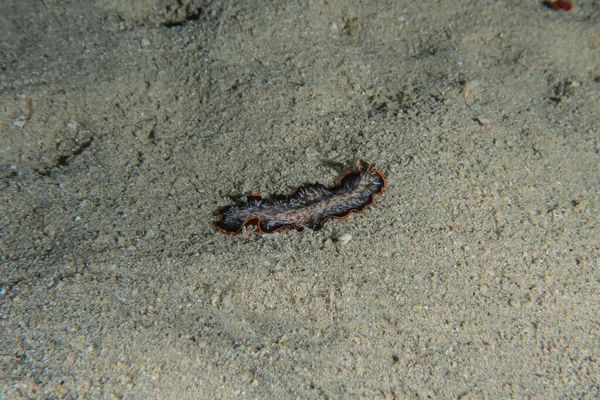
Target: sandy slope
[(123, 129)]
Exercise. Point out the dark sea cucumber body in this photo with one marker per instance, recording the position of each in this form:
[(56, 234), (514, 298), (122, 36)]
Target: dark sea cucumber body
[(309, 206)]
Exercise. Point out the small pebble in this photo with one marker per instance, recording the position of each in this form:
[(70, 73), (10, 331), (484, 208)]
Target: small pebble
[(344, 239)]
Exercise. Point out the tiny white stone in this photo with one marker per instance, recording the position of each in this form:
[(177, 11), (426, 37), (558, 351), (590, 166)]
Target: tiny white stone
[(20, 121), (344, 239)]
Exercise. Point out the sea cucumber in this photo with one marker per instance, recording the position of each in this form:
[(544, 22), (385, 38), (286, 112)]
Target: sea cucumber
[(309, 206)]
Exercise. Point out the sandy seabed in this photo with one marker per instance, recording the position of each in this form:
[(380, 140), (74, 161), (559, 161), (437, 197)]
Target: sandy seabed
[(125, 128)]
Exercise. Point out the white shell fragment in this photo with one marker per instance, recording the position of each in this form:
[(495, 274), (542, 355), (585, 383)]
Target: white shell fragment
[(344, 239)]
